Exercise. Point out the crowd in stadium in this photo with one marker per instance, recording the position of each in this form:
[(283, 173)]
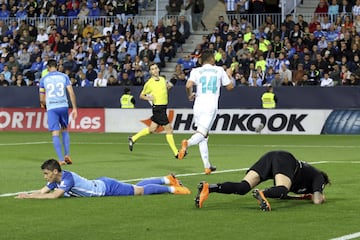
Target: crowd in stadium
[(98, 44)]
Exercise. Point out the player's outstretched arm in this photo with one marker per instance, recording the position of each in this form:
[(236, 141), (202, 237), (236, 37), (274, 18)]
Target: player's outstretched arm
[(44, 193)]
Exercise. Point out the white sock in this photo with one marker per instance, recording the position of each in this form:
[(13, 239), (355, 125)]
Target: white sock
[(166, 180), (195, 139), (204, 152)]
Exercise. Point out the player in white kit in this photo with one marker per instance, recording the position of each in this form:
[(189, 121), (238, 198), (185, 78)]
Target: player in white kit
[(208, 80)]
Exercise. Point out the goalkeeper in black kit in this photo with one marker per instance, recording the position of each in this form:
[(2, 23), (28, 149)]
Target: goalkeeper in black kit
[(288, 173)]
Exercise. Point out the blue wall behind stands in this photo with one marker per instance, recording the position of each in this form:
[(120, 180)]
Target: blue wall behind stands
[(240, 97)]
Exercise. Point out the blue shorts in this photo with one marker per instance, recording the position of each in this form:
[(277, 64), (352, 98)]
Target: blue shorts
[(57, 118), (116, 188)]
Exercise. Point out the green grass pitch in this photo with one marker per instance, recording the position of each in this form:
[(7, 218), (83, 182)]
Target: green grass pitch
[(175, 216)]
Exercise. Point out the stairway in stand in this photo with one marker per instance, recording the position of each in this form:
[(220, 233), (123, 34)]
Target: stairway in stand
[(187, 48)]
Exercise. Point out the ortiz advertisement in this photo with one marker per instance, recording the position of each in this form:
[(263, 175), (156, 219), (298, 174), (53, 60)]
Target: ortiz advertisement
[(35, 119), (227, 121)]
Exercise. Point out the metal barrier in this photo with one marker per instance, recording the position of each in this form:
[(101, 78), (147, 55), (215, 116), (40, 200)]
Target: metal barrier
[(41, 22)]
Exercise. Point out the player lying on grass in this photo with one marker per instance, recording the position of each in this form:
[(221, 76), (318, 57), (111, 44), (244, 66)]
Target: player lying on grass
[(288, 173), (63, 183)]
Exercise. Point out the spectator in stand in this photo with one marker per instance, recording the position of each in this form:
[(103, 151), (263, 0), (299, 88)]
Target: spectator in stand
[(132, 9), (183, 27), (174, 7), (12, 62), (289, 22), (319, 33), (3, 28), (284, 32), (7, 74), (197, 10), (70, 64), (314, 23), (3, 81), (186, 63), (42, 37), (100, 81), (19, 81), (281, 60), (326, 81), (35, 70), (62, 11), (298, 74), (356, 9), (313, 75), (325, 23), (129, 26), (348, 23), (168, 49), (83, 81), (277, 80), (322, 8), (4, 12), (73, 10), (213, 36), (285, 72), (345, 8), (110, 71), (21, 13), (333, 10), (257, 6), (286, 82), (344, 75), (302, 23)]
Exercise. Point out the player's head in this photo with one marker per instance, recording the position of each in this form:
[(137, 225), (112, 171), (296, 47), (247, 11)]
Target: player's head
[(52, 63), (51, 170), (51, 165), (207, 56)]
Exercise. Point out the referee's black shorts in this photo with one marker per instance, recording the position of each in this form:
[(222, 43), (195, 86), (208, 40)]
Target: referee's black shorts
[(159, 115), (276, 162)]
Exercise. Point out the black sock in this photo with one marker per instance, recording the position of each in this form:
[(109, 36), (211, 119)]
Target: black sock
[(241, 188), (276, 192)]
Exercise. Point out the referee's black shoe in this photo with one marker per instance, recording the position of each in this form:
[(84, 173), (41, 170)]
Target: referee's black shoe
[(131, 143)]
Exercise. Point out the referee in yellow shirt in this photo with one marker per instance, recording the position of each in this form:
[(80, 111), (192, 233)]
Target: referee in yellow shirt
[(156, 91)]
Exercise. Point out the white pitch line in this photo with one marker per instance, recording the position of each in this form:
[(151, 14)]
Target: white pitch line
[(188, 174), (160, 144), (348, 237)]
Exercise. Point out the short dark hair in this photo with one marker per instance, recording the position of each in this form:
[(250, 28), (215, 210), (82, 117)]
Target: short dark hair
[(52, 63), (206, 55), (326, 177), (51, 164)]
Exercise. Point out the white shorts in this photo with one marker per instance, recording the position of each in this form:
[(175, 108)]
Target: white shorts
[(204, 119)]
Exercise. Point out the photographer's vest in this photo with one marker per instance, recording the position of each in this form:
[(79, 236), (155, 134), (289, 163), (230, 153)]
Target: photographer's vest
[(268, 100), (125, 101)]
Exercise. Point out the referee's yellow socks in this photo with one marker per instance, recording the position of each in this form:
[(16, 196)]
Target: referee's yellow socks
[(140, 134), (171, 142)]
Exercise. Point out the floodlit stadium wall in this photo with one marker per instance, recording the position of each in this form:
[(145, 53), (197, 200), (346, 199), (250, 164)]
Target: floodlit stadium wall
[(228, 121)]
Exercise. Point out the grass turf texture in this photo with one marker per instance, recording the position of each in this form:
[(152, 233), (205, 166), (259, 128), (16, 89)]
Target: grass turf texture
[(175, 216)]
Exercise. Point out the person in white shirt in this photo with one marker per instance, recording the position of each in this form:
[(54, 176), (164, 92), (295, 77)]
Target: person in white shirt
[(100, 81), (285, 72), (42, 37), (208, 80), (326, 81)]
